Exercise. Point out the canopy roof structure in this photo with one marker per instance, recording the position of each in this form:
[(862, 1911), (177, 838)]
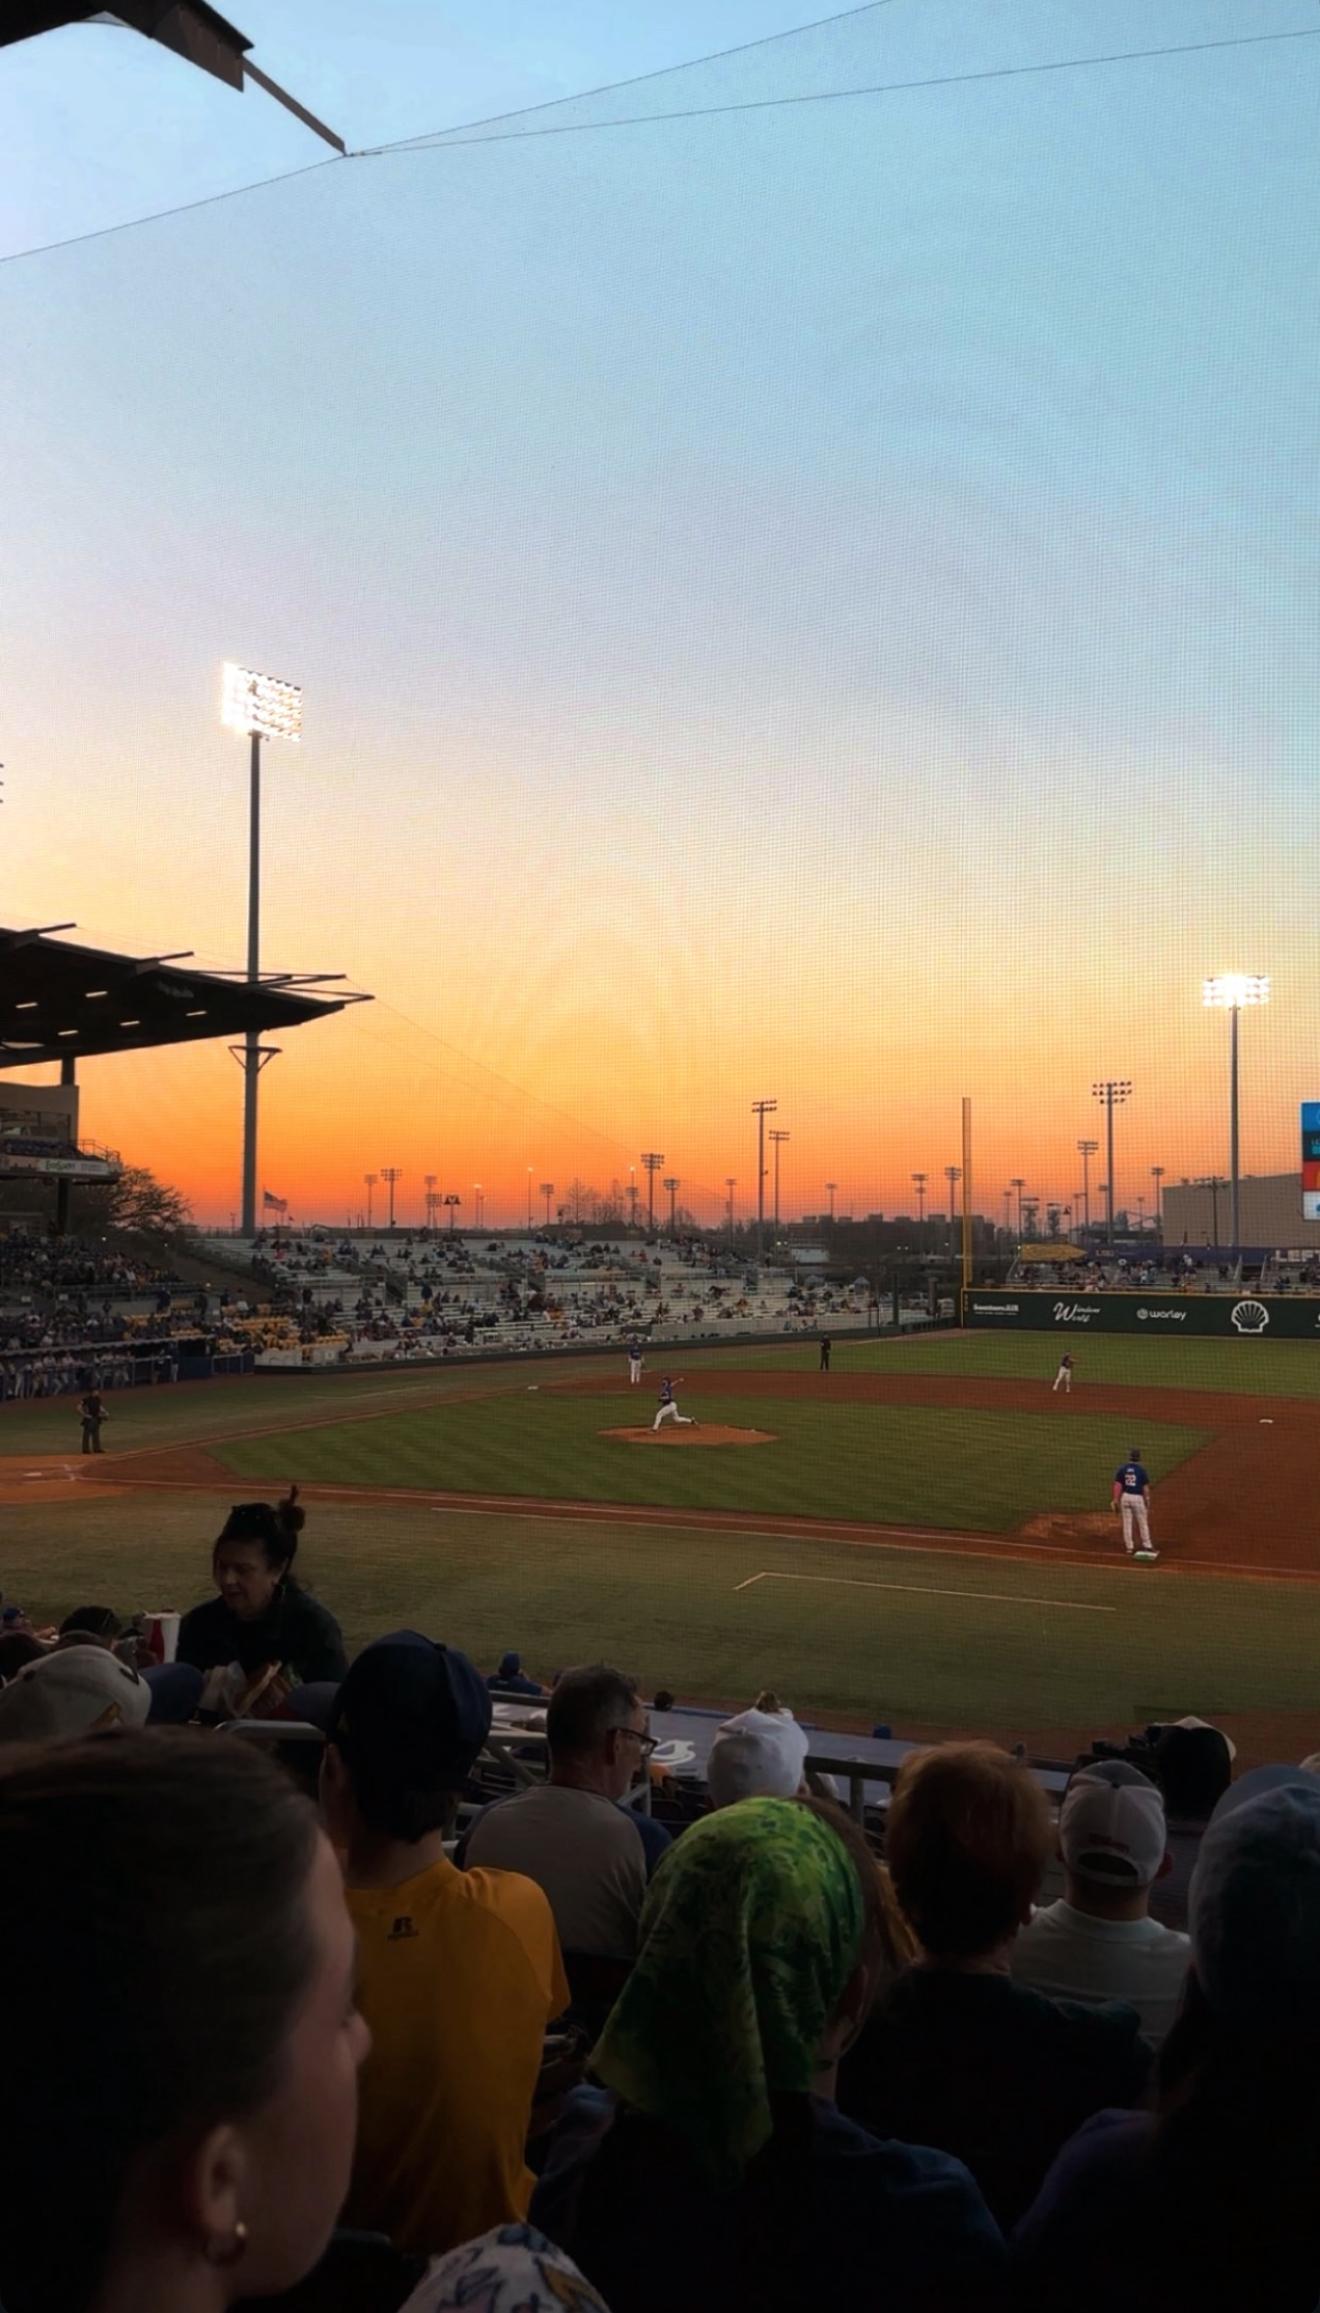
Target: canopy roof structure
[(59, 1002), (192, 28)]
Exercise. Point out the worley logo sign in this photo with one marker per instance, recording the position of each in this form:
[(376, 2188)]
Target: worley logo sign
[(1162, 1316)]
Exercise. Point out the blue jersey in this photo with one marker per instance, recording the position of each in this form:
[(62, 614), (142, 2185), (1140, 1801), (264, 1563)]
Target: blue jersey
[(1131, 1479), (666, 1393)]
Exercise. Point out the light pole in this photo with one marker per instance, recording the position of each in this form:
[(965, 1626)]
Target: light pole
[(1018, 1184), (452, 1203), (652, 1159), (1086, 1149), (632, 1196), (777, 1140), (830, 1187), (264, 708), (1214, 1182), (952, 1174), (479, 1205), (547, 1191), (369, 1181), (1008, 1217), (919, 1184), (1157, 1175), (428, 1183), (390, 1174), (1111, 1093), (1232, 992), (761, 1109), (673, 1184), (730, 1184), (529, 1200)]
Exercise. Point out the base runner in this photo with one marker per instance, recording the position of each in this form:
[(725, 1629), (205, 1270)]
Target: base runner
[(667, 1409), (1131, 1499)]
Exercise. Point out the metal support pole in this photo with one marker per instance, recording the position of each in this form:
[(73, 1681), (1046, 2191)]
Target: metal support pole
[(1233, 1126), (252, 1040), (1109, 1161)]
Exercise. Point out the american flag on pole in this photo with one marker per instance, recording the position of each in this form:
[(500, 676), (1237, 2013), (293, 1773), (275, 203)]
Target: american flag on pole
[(273, 1204)]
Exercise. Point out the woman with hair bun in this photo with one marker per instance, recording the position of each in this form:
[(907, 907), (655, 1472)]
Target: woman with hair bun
[(263, 1619)]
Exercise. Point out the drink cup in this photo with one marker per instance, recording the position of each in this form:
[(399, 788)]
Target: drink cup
[(162, 1636)]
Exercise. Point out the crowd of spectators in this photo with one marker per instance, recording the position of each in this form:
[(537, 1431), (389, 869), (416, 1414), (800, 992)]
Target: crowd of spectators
[(398, 2044)]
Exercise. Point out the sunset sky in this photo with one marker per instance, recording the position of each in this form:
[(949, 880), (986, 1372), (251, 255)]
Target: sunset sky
[(815, 602)]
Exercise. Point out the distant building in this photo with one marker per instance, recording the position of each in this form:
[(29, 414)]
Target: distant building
[(1270, 1205)]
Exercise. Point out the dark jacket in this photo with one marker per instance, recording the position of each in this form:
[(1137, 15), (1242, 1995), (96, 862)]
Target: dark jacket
[(295, 1630)]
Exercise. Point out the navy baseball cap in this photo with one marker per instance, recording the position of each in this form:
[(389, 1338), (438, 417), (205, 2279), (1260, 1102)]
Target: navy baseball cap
[(412, 1713)]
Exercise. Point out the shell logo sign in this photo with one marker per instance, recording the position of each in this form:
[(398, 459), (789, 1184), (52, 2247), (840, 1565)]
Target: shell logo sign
[(1249, 1316)]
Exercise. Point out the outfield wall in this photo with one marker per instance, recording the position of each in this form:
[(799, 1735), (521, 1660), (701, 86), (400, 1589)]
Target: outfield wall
[(1242, 1316)]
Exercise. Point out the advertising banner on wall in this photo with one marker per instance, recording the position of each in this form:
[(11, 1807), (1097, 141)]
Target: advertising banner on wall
[(1244, 1317)]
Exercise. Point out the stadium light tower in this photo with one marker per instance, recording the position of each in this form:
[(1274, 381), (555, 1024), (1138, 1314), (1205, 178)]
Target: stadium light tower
[(673, 1184), (1086, 1149), (919, 1184), (1157, 1175), (391, 1174), (830, 1187), (369, 1181), (547, 1191), (652, 1159), (1111, 1093), (952, 1174), (264, 708), (1232, 992), (761, 1109), (730, 1183), (777, 1142), (1018, 1185), (452, 1202), (428, 1183)]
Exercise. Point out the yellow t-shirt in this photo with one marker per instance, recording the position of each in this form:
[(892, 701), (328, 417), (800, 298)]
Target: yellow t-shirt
[(460, 1974)]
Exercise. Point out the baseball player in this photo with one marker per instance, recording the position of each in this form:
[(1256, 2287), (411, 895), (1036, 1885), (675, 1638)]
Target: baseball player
[(634, 1362), (667, 1409), (825, 1347), (1131, 1499), (1063, 1378)]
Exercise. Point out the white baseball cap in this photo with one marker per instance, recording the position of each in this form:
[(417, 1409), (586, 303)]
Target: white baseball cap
[(69, 1693), (758, 1755), (1111, 1825)]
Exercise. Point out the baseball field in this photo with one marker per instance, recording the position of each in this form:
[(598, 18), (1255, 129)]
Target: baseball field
[(921, 1536)]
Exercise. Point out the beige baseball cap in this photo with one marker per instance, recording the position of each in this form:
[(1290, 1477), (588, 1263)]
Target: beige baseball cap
[(70, 1693)]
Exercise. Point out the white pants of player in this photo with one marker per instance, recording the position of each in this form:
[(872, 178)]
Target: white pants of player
[(1133, 1510), (634, 1369), (1063, 1380), (670, 1413)]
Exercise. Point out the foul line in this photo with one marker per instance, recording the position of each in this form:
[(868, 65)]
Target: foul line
[(928, 1590)]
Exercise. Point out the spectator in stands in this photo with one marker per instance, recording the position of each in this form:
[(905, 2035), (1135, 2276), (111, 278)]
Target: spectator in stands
[(75, 1690), (1211, 2202), (177, 1886), (1099, 1941), (571, 1834), (511, 1679), (459, 1971), (100, 1624), (760, 1754), (1193, 1767), (713, 2168), (263, 1615), (956, 2054)]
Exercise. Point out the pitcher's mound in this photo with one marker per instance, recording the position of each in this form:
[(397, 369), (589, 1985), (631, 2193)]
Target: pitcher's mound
[(696, 1434), (1074, 1529)]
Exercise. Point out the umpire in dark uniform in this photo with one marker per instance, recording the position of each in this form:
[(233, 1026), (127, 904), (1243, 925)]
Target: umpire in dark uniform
[(91, 1408)]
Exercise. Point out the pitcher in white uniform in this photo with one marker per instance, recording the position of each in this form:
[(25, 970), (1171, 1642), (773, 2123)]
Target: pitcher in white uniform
[(1131, 1498)]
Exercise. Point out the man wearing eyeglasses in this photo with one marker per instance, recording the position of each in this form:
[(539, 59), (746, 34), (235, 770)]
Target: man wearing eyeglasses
[(572, 1834)]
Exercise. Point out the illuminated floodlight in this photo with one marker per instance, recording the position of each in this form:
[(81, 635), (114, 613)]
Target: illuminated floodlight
[(260, 705), (1231, 991)]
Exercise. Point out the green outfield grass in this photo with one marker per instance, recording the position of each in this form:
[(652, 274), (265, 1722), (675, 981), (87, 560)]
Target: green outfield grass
[(930, 1466), (916, 1637)]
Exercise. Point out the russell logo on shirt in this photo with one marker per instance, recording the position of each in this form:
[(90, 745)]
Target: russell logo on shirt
[(400, 1931)]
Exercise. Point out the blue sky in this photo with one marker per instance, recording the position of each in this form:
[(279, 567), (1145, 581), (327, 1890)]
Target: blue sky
[(765, 584)]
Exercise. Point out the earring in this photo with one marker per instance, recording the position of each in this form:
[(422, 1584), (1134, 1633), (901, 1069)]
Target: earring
[(227, 2251)]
